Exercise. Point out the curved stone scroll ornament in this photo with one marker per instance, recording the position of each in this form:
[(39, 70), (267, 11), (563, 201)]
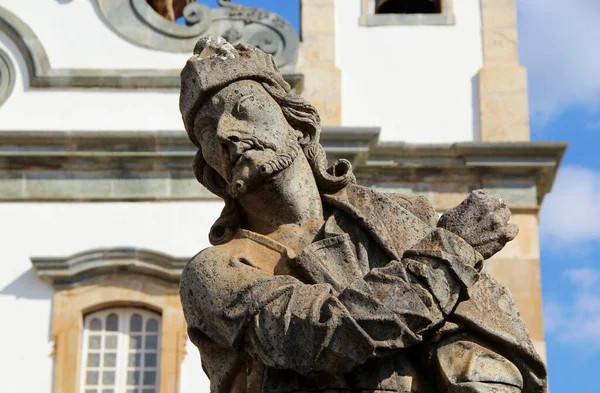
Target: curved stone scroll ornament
[(7, 76), (138, 22)]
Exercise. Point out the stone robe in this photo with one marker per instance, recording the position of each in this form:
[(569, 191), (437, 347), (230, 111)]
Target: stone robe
[(382, 301)]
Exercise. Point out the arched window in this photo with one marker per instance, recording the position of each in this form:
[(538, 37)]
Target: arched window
[(100, 279), (408, 7), (121, 348)]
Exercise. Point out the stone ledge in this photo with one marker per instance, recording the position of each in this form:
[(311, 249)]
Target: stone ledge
[(69, 271), (45, 186), (81, 166)]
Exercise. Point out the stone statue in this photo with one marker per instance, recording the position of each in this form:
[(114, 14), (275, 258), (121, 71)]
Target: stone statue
[(315, 283)]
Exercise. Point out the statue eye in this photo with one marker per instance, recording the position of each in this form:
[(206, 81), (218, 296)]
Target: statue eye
[(241, 108)]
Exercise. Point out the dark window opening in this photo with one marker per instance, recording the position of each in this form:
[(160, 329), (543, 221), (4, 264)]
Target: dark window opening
[(169, 9), (408, 7)]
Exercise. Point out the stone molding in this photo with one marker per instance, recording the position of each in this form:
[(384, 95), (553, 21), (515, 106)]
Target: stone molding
[(7, 76), (70, 305), (42, 75), (135, 166), (75, 269), (368, 16), (137, 22)]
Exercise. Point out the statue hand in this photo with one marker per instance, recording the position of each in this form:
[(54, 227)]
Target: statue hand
[(482, 221)]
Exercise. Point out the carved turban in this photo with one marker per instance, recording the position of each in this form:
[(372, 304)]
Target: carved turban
[(215, 64)]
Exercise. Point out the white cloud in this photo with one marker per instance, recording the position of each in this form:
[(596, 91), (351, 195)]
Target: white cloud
[(559, 46), (584, 277), (571, 212), (578, 321)]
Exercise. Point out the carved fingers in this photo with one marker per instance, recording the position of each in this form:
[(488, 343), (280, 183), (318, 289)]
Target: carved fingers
[(482, 220)]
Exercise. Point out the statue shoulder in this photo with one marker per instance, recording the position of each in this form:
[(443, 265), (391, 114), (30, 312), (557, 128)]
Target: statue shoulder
[(247, 249), (204, 262), (220, 254), (209, 255)]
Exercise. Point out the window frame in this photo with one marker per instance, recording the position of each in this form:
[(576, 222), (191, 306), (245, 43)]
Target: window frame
[(123, 348), (71, 304), (368, 16)]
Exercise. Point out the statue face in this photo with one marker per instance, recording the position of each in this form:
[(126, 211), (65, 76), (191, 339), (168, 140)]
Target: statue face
[(245, 136)]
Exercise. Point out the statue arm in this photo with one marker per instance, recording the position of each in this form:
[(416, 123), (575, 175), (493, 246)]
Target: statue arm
[(291, 325), (467, 364)]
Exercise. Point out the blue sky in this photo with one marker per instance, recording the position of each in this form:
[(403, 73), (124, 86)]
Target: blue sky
[(288, 9), (559, 43)]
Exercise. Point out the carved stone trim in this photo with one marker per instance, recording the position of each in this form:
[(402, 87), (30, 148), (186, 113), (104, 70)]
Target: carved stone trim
[(139, 23), (70, 271), (70, 306), (41, 75), (7, 76), (368, 16), (115, 166), (163, 26)]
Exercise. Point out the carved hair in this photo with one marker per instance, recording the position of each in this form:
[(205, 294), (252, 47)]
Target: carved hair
[(302, 116)]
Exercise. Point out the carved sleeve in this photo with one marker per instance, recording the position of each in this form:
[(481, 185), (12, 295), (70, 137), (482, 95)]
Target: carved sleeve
[(291, 325)]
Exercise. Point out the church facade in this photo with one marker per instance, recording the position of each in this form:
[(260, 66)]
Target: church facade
[(100, 209)]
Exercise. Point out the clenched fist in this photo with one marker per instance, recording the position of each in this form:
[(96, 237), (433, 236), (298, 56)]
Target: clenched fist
[(482, 221)]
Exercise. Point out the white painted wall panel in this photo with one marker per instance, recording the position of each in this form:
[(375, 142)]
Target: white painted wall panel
[(75, 35), (416, 82), (62, 229), (86, 109)]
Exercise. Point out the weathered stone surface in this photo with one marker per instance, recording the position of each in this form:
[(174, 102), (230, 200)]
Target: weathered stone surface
[(487, 235), (314, 283)]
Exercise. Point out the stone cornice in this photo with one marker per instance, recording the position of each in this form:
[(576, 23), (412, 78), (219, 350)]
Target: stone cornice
[(69, 271), (164, 158)]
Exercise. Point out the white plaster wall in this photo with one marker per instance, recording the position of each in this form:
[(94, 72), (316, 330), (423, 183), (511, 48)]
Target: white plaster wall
[(62, 229), (86, 109), (416, 82), (74, 35)]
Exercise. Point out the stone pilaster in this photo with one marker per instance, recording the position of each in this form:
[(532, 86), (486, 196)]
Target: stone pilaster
[(316, 60), (504, 117), (518, 267), (503, 107)]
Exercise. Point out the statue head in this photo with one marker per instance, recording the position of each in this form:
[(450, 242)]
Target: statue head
[(239, 111)]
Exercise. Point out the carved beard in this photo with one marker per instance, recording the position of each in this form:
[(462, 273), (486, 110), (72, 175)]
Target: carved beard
[(261, 165)]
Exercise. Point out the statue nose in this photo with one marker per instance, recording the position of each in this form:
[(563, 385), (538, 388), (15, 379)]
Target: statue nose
[(231, 143), (226, 131), (230, 137)]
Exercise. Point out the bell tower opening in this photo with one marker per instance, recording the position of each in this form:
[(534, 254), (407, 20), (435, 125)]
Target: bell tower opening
[(408, 7)]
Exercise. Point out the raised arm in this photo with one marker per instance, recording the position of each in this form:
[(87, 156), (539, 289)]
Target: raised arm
[(291, 325)]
